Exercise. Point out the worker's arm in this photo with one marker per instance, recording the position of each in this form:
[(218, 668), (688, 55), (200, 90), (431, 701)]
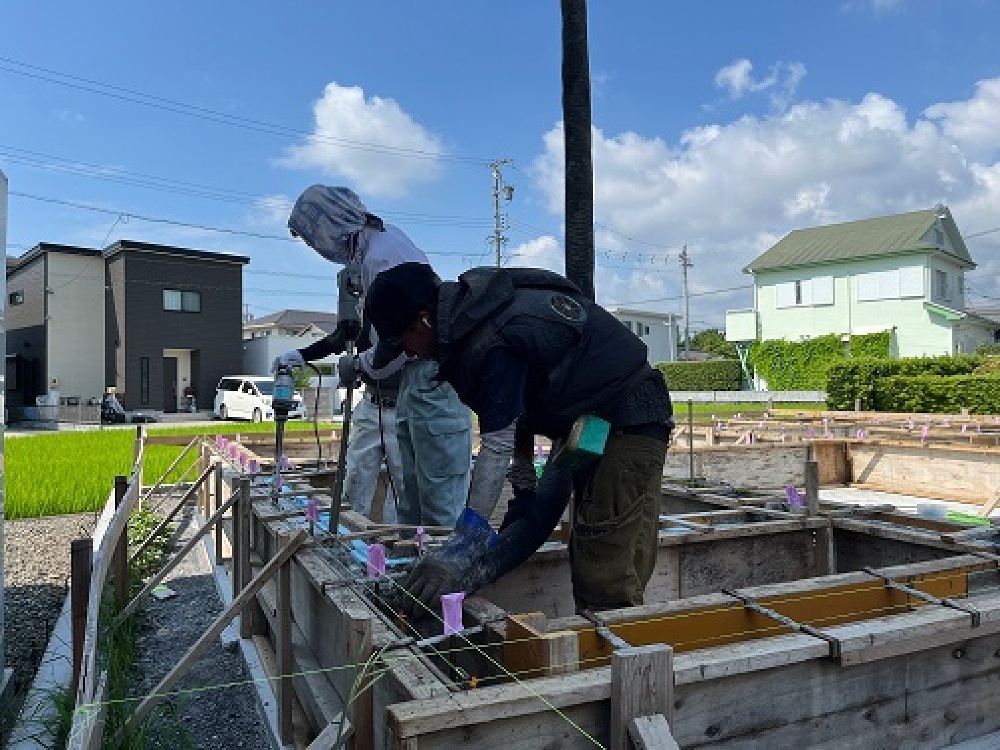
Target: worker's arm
[(531, 517), (333, 343), (499, 403)]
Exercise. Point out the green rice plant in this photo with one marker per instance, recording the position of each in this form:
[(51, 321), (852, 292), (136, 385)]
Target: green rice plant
[(74, 472)]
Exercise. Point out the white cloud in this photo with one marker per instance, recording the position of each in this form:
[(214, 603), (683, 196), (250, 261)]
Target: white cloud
[(974, 125), (729, 190), (272, 212), (737, 80), (372, 143)]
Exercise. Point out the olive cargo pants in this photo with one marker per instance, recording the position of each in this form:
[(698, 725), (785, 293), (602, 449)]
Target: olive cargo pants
[(616, 523)]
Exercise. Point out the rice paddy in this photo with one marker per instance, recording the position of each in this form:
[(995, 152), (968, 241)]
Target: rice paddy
[(74, 472)]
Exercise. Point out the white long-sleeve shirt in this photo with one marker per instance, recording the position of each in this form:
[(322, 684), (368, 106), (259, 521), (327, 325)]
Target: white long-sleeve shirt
[(385, 250)]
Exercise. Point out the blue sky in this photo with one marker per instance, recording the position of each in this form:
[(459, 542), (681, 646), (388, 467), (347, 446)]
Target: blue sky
[(719, 125)]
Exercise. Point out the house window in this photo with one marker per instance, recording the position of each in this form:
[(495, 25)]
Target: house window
[(16, 298), (941, 285), (798, 292), (144, 380), (175, 300), (938, 237)]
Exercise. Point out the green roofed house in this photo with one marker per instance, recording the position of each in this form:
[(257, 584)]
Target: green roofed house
[(904, 273)]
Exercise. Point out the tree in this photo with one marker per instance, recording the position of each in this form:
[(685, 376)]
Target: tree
[(577, 147), (712, 340)]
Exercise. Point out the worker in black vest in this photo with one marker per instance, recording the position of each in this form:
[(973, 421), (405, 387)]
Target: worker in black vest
[(531, 355)]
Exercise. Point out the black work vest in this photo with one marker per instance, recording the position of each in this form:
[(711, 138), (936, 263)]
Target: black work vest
[(581, 359)]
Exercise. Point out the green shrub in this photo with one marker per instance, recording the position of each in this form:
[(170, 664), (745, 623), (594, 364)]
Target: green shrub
[(858, 378), (803, 365), (980, 394), (713, 375)]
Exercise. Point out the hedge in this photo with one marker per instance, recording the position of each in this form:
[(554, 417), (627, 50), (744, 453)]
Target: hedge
[(712, 375), (980, 394), (803, 365), (859, 378)]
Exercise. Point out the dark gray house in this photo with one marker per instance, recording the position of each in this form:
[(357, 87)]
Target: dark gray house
[(156, 322)]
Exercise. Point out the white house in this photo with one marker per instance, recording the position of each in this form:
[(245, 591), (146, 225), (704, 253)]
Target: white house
[(904, 273), (658, 330), (267, 337)]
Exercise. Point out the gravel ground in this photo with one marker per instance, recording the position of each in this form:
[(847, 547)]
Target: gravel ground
[(222, 712), (36, 569), (36, 581)]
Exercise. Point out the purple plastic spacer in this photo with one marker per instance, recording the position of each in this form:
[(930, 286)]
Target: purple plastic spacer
[(421, 538), (312, 510), (376, 560), (451, 607), (284, 462), (253, 466)]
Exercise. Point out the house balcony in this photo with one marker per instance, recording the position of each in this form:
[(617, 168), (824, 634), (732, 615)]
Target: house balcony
[(741, 325)]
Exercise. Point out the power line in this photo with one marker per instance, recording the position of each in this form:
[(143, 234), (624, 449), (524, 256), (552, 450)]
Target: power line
[(707, 293), (115, 174), (174, 222), (191, 110)]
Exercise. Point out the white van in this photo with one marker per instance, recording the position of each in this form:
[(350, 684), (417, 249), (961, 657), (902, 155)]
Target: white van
[(249, 397)]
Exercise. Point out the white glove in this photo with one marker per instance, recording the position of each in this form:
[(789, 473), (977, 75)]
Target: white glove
[(291, 359)]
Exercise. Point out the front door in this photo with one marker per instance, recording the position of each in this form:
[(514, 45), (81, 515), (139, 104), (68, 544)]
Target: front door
[(170, 384)]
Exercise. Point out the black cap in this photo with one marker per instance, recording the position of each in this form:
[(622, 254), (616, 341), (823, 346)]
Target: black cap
[(394, 300)]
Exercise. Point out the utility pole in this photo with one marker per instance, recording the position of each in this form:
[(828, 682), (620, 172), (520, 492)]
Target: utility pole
[(685, 265), (499, 220)]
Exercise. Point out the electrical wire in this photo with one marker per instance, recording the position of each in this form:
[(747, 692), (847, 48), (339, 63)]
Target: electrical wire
[(133, 96)]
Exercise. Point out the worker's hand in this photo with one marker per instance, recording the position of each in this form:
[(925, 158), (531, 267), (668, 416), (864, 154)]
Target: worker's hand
[(348, 370), (291, 359), (431, 577)]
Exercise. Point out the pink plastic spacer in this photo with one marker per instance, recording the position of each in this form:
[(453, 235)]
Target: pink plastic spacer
[(376, 560), (451, 607), (253, 466), (421, 539)]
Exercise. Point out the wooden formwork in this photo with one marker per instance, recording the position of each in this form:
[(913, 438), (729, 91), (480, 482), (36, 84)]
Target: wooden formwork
[(844, 668), (804, 648)]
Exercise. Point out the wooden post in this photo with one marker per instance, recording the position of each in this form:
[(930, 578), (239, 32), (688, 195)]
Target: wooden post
[(652, 733), (283, 623), (81, 558), (220, 529), (642, 684), (119, 559), (361, 711), (250, 617), (812, 487), (140, 437)]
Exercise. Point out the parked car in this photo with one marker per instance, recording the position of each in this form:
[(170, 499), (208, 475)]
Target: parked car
[(249, 397)]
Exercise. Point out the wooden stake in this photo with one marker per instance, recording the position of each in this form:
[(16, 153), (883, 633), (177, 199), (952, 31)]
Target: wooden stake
[(642, 684), (652, 733), (81, 558), (119, 559)]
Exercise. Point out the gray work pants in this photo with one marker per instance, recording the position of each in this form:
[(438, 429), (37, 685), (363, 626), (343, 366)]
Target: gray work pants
[(365, 458), (435, 446)]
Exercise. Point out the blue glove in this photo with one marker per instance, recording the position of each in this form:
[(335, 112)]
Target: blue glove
[(291, 359), (431, 577), (448, 569), (348, 371)]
